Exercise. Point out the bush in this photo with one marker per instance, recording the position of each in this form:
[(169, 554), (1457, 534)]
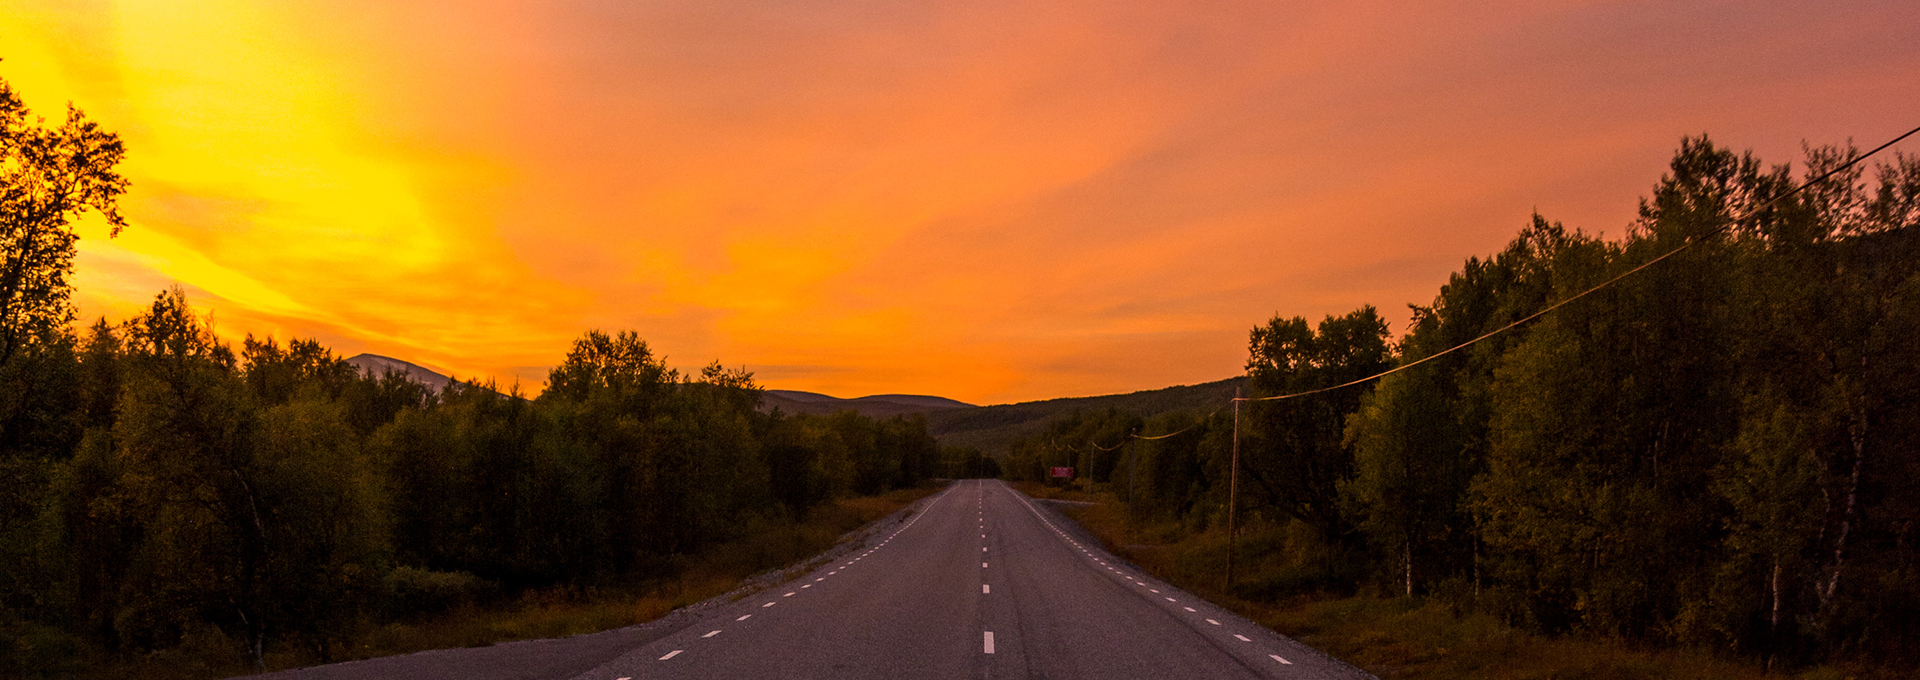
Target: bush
[(417, 592)]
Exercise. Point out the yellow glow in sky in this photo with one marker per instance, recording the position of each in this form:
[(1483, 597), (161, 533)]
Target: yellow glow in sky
[(990, 201)]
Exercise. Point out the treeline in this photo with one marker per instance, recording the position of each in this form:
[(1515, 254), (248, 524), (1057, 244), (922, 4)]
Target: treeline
[(162, 485), (1718, 450), (160, 489)]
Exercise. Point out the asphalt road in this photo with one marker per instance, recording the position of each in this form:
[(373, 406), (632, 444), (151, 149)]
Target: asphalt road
[(979, 582)]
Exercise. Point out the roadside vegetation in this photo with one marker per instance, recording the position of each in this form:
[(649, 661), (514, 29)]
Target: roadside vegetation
[(1425, 637), (1716, 453), (468, 613)]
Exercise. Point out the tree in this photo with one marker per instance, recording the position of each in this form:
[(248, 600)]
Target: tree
[(1299, 454), (1421, 436), (48, 177), (184, 432)]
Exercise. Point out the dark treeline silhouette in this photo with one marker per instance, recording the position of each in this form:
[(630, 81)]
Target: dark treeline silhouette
[(159, 489), (169, 486), (1717, 451)]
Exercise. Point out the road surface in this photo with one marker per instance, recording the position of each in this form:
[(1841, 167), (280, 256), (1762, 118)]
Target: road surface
[(978, 582)]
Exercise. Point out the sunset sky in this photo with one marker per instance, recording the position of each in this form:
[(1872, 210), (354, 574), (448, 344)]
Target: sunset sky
[(990, 201)]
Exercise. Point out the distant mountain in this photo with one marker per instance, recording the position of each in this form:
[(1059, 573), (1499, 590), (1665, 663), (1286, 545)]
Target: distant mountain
[(992, 428), (877, 406), (955, 423), (804, 397), (375, 365)]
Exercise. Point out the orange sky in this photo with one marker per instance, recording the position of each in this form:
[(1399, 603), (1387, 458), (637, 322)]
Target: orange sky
[(990, 201)]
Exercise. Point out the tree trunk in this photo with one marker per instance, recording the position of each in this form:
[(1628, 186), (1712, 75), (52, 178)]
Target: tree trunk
[(1857, 431), (1408, 557), (1773, 617)]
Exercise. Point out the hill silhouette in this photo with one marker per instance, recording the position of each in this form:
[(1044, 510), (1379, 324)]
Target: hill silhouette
[(375, 365), (992, 428), (876, 406)]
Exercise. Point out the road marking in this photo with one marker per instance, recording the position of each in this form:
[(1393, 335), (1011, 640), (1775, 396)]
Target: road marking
[(1190, 609), (764, 606), (1172, 600), (1243, 638), (989, 642), (983, 548), (983, 565), (1276, 657), (791, 594), (743, 617), (807, 586), (1147, 589), (1213, 622), (708, 635), (984, 590), (823, 578), (671, 654)]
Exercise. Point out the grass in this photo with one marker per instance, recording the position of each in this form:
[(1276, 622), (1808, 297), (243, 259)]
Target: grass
[(546, 613), (1395, 637)]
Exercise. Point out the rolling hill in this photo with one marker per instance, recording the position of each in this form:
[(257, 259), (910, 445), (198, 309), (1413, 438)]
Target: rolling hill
[(877, 406), (991, 428), (375, 365)]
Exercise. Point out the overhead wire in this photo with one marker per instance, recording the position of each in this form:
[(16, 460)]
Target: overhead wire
[(1649, 263), (1562, 303)]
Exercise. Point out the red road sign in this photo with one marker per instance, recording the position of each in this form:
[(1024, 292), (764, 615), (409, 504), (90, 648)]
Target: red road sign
[(1065, 472)]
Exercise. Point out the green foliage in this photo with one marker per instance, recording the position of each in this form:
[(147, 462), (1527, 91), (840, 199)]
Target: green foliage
[(277, 499), (413, 592), (1295, 452), (1717, 450), (1087, 441)]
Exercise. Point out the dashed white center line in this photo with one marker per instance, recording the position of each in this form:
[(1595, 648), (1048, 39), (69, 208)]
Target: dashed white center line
[(764, 606), (1172, 600), (1243, 638), (1276, 657), (1189, 609), (984, 589), (989, 643), (983, 565), (672, 654), (1213, 622), (983, 548), (708, 635), (791, 594), (743, 617), (809, 585)]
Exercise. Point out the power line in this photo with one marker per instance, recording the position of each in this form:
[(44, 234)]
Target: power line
[(1562, 303), (1689, 244)]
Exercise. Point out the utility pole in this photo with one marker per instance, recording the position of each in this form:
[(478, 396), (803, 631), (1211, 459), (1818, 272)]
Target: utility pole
[(1233, 487), (1090, 467), (1133, 463)]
